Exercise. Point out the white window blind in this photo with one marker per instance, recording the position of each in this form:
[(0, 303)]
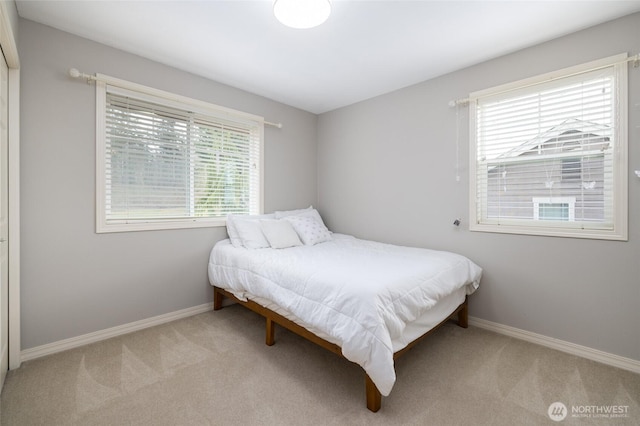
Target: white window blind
[(552, 138), (168, 164)]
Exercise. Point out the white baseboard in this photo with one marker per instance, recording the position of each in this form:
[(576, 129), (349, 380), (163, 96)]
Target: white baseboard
[(85, 339), (550, 342), (560, 345)]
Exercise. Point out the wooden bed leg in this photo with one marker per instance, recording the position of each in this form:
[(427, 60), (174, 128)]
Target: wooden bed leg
[(271, 331), (463, 315), (374, 398), (217, 299)]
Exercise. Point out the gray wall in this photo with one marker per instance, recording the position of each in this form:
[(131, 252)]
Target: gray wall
[(75, 281), (387, 170)]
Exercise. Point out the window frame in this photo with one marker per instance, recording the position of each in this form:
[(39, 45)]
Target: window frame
[(619, 230), (103, 225)]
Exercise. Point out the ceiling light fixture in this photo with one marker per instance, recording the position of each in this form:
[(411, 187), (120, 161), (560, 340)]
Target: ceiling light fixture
[(302, 14)]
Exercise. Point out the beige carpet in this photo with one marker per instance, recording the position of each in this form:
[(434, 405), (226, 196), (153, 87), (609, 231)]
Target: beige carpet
[(214, 369)]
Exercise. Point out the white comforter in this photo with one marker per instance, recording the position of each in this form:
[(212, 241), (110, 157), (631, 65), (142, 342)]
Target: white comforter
[(361, 293)]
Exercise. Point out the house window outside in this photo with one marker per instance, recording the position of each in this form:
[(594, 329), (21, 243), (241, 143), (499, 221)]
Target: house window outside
[(555, 137), (165, 161), (561, 209), (572, 169)]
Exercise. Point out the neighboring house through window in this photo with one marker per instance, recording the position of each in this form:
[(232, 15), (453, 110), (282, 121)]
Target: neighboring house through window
[(548, 154)]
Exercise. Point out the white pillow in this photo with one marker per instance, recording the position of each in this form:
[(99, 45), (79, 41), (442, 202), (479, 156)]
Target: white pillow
[(250, 232), (280, 233), (309, 230), (308, 212), (232, 230)]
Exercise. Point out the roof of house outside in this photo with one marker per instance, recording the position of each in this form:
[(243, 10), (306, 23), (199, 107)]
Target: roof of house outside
[(570, 135)]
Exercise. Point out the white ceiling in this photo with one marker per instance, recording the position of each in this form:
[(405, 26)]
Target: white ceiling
[(366, 48)]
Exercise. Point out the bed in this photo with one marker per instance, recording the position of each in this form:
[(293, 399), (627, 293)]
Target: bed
[(367, 301)]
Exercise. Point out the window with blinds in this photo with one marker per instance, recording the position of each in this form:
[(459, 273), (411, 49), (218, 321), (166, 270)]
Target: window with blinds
[(171, 164), (549, 154)]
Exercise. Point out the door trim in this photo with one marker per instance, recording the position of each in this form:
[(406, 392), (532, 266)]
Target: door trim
[(14, 219), (10, 49)]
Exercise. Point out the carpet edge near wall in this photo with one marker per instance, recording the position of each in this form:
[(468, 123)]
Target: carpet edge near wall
[(96, 336), (549, 342), (560, 345)]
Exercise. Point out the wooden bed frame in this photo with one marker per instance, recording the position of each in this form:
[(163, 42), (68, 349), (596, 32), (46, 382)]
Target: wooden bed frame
[(374, 398)]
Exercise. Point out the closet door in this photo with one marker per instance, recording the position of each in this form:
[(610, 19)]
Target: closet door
[(4, 222)]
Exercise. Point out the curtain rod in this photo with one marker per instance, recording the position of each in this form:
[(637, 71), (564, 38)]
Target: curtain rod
[(73, 72), (635, 59)]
